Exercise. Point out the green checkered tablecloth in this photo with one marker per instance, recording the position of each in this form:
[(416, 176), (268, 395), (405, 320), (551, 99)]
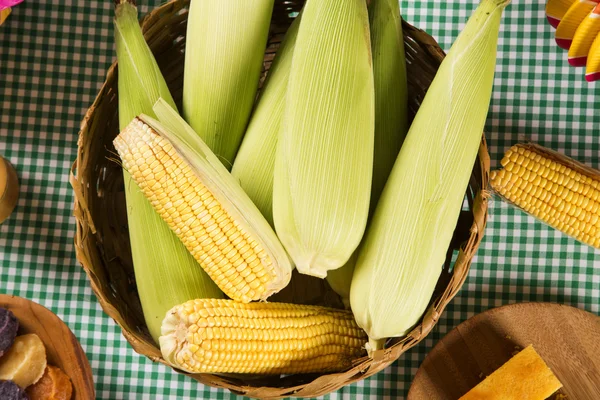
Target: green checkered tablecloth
[(53, 59)]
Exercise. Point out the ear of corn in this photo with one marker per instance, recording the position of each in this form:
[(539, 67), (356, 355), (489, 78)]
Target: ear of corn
[(255, 162), (572, 19), (203, 204), (552, 190), (402, 255), (389, 71), (223, 58), (556, 10), (324, 163), (222, 336), (166, 274)]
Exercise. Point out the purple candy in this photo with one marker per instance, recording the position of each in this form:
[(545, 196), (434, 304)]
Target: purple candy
[(11, 391), (9, 325)]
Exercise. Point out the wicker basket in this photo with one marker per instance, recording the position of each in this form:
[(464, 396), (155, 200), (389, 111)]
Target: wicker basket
[(102, 241)]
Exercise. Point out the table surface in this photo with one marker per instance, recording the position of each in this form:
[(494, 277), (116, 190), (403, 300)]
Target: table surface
[(53, 60)]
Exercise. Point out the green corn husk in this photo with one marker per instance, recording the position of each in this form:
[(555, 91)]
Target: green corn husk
[(225, 46), (340, 279), (389, 71), (255, 162), (166, 274), (324, 159), (405, 246)]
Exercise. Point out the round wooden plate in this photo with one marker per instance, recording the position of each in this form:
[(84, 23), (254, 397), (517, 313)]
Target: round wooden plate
[(62, 348), (568, 339)]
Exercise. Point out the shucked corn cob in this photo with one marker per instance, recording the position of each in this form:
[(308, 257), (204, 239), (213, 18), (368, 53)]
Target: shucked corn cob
[(204, 206), (222, 336), (551, 189), (165, 272)]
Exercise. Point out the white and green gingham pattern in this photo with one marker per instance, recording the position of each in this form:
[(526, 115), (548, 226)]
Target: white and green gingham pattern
[(53, 59)]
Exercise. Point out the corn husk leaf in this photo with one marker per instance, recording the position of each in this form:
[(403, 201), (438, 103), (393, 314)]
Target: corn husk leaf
[(255, 162)]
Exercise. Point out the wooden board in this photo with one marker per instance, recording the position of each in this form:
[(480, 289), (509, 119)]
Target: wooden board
[(62, 348), (566, 338)]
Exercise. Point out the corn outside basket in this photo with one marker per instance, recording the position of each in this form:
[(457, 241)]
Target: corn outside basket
[(102, 240)]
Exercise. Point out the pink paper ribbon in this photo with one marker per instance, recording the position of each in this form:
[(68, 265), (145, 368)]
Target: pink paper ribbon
[(8, 3)]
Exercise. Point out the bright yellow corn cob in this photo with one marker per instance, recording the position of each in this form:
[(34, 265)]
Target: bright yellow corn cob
[(165, 272), (225, 233), (222, 336), (552, 190)]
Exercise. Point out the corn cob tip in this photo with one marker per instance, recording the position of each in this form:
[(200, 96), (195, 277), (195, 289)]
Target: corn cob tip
[(172, 337)]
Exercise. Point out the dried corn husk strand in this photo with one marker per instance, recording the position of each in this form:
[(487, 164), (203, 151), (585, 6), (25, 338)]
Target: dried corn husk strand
[(389, 71), (166, 273), (553, 188), (204, 205), (255, 162), (324, 162), (401, 258), (223, 336), (224, 51)]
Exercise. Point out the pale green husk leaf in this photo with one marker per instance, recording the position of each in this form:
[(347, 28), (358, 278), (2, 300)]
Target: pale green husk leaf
[(255, 162)]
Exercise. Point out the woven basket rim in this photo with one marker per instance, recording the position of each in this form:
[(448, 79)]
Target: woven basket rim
[(323, 384)]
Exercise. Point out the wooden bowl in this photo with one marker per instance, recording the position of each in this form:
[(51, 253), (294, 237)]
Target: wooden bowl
[(62, 348), (567, 339), (102, 239)]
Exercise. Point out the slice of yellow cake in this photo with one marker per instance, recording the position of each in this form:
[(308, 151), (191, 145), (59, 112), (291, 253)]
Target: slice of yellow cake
[(525, 376)]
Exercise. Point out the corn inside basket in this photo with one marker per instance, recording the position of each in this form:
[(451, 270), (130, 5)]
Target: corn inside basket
[(102, 239)]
